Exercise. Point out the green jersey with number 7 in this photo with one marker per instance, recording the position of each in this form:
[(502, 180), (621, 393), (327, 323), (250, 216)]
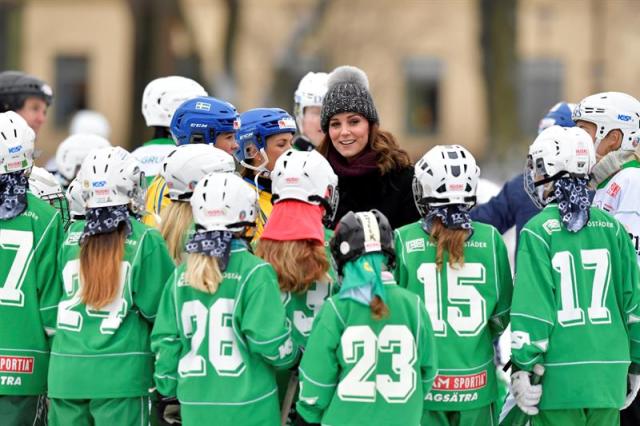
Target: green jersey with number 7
[(576, 309), (29, 294), (468, 306)]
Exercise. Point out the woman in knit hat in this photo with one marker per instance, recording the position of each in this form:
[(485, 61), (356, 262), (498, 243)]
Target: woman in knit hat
[(373, 171)]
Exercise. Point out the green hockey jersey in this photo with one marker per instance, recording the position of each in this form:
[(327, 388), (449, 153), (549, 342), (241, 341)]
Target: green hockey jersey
[(106, 353), (360, 371), (29, 295), (576, 309), (468, 306), (218, 350), (302, 308)]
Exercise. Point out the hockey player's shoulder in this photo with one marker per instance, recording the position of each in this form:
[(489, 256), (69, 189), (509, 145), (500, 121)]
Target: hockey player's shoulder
[(39, 210)]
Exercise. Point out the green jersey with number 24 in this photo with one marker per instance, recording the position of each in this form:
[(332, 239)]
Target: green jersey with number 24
[(468, 306), (105, 353)]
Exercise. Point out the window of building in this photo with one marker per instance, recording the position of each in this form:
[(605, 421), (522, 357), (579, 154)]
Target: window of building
[(540, 87), (423, 77), (71, 90)]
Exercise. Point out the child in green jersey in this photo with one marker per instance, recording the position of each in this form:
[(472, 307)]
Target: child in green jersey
[(576, 300), (181, 170), (293, 241), (370, 359), (221, 327), (460, 270), (30, 234), (113, 270)]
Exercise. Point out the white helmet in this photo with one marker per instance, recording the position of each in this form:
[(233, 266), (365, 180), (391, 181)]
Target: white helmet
[(164, 95), (45, 186), (557, 152), (223, 202), (75, 199), (90, 122), (445, 175), (310, 92), (305, 176), (187, 164), (610, 111), (16, 143), (112, 177), (73, 150)]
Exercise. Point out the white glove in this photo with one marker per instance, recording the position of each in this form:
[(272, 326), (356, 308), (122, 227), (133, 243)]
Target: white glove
[(634, 386), (527, 395)]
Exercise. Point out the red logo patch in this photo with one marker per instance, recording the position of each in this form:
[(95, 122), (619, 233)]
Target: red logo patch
[(460, 383), (613, 189), (16, 364)]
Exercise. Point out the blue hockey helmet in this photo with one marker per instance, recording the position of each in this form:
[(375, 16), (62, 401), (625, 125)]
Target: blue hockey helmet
[(558, 115), (257, 125), (202, 119)]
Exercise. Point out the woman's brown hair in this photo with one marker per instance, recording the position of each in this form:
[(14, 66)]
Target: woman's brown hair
[(389, 154), (100, 267), (298, 263), (175, 221), (450, 240), (379, 309)]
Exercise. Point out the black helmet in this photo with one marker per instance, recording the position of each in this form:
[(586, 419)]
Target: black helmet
[(16, 87), (360, 233)]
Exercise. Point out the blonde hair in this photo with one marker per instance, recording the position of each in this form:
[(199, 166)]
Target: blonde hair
[(175, 221), (298, 263), (203, 273), (100, 266), (450, 240)]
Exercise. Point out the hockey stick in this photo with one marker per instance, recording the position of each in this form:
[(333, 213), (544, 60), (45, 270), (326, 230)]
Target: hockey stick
[(289, 397)]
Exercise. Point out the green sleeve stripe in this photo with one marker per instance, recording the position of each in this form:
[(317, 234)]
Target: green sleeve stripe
[(46, 308), (501, 313), (335, 308), (419, 302), (632, 309), (563, 364), (241, 339), (404, 262), (46, 229), (266, 342), (315, 382), (163, 377), (531, 317), (495, 268), (537, 236)]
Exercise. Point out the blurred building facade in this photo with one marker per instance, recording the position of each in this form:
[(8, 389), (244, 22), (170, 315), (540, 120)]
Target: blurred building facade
[(423, 58)]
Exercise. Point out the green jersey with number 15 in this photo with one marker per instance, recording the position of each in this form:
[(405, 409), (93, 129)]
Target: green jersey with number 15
[(105, 353), (468, 306), (29, 294), (576, 309)]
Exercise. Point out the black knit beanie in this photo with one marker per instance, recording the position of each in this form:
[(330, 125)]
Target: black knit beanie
[(348, 91)]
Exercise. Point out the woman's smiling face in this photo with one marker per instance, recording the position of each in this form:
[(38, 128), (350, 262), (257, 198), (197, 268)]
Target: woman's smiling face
[(349, 133)]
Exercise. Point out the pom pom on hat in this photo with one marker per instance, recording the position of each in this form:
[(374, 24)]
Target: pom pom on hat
[(348, 91), (348, 74)]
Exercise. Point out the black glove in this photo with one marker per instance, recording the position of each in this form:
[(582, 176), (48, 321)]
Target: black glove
[(169, 410), (299, 421)]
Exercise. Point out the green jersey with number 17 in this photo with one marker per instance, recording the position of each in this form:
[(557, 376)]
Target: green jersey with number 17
[(576, 309), (105, 353), (29, 294), (469, 307)]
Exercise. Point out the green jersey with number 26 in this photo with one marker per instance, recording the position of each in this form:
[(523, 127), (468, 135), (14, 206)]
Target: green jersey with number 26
[(468, 306), (29, 294), (106, 353), (576, 309)]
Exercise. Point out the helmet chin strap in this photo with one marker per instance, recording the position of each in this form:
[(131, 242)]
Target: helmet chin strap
[(260, 168)]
